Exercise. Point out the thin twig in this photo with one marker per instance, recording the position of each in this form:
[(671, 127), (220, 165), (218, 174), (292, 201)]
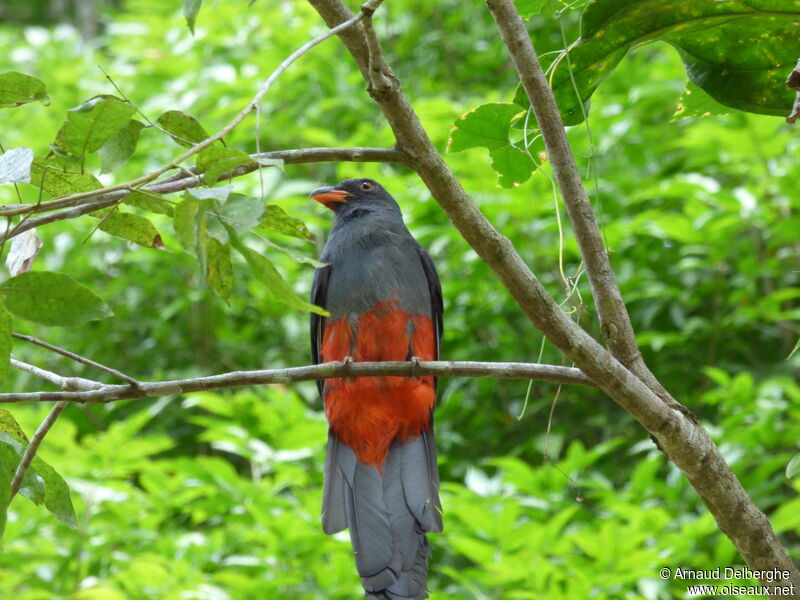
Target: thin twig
[(33, 446), (188, 179), (65, 383), (76, 357), (111, 393)]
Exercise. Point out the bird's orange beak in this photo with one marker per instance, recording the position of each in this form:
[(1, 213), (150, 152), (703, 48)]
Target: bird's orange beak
[(329, 195)]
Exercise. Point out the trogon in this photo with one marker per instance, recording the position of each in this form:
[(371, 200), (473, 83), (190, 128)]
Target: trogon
[(385, 303)]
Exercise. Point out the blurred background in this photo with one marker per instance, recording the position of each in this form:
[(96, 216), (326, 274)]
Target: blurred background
[(216, 496)]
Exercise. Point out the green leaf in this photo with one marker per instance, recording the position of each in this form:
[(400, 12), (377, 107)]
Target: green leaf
[(150, 202), (528, 8), (191, 224), (694, 102), (92, 124), (9, 425), (266, 272), (239, 211), (56, 182), (52, 299), (17, 89), (484, 126), (5, 343), (57, 499), (795, 349), (15, 165), (183, 129), (215, 161), (219, 271), (513, 166), (277, 219), (488, 126), (190, 10), (42, 484), (134, 228), (793, 468), (185, 222), (120, 146), (710, 38)]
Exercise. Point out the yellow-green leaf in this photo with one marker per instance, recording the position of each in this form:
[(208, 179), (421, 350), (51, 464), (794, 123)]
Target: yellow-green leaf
[(17, 89), (219, 270), (151, 202), (216, 161), (42, 484), (57, 182), (277, 219), (52, 299), (120, 146), (184, 223), (92, 124), (9, 425), (134, 228), (184, 129)]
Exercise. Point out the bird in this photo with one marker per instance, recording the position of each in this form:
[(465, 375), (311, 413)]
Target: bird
[(384, 299)]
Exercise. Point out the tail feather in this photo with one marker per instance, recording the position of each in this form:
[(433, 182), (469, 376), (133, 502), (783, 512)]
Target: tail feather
[(340, 467), (370, 528), (420, 485), (388, 513)]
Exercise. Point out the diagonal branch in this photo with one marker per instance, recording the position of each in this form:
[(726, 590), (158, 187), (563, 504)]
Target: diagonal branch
[(33, 446), (615, 323), (111, 393), (678, 433), (77, 358)]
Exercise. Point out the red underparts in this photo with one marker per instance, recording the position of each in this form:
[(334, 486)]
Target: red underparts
[(369, 413)]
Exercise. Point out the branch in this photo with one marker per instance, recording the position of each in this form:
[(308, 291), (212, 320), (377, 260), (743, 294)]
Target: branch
[(615, 323), (77, 358), (33, 446), (678, 433), (187, 179), (65, 383), (111, 393)]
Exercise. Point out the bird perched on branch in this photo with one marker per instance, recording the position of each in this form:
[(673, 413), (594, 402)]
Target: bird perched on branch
[(385, 303)]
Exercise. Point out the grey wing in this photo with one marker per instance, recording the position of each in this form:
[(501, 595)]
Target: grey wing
[(319, 295)]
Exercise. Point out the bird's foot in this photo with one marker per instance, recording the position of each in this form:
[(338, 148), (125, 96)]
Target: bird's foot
[(414, 360), (347, 361)]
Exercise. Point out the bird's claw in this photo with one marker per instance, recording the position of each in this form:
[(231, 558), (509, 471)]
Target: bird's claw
[(346, 362), (414, 360)]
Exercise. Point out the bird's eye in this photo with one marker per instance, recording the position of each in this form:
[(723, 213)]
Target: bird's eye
[(366, 186)]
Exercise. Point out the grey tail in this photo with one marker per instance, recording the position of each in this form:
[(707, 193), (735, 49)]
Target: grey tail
[(388, 513)]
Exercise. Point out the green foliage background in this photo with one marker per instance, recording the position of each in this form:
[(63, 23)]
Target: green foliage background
[(216, 496)]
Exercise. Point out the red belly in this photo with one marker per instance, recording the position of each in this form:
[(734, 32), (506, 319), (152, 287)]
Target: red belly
[(369, 413)]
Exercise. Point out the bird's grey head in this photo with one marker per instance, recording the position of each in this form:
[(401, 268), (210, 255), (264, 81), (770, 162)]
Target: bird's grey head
[(355, 198)]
